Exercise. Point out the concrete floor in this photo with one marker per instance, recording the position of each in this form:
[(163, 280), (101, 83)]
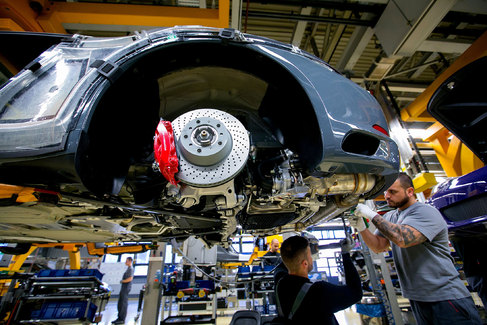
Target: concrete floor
[(224, 316)]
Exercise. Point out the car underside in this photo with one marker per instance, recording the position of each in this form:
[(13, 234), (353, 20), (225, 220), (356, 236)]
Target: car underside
[(186, 134)]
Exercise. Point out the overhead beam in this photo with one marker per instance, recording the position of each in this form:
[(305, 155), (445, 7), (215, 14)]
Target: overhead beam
[(331, 45), (355, 46), (407, 88), (315, 19), (444, 46), (404, 25), (382, 68), (412, 69), (376, 9), (300, 28), (416, 111), (236, 22), (311, 41), (471, 6), (433, 55), (56, 14)]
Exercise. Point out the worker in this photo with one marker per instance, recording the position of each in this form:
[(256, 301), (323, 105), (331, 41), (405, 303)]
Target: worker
[(418, 236), (322, 299), (123, 298), (272, 257)]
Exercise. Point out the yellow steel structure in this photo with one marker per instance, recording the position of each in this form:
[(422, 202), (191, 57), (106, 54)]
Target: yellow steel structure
[(7, 24), (18, 15), (18, 260), (424, 181), (19, 194), (455, 158), (74, 253), (256, 254), (21, 14), (416, 111), (269, 239)]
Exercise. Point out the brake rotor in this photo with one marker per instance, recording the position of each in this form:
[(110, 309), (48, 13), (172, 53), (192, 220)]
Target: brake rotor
[(213, 147)]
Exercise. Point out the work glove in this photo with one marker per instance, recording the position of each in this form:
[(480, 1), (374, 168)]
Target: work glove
[(347, 244), (357, 223), (364, 211)]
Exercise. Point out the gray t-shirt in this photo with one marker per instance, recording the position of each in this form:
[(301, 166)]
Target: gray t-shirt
[(129, 272), (426, 271)]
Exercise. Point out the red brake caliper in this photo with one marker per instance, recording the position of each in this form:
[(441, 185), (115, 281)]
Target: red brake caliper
[(165, 151)]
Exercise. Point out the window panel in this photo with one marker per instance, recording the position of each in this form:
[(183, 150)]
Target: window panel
[(123, 257), (109, 258), (317, 234), (333, 271), (142, 258), (247, 247), (141, 269), (340, 234), (168, 257)]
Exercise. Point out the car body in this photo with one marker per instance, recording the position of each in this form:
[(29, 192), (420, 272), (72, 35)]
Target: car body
[(184, 131), (463, 202), (460, 104)]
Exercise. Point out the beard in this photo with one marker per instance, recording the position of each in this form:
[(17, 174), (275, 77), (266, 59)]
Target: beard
[(310, 267), (399, 204)]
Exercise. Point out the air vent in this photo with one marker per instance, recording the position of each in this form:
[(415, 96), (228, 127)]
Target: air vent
[(467, 209), (360, 143)]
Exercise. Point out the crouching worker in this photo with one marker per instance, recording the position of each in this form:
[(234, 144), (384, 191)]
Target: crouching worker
[(299, 301)]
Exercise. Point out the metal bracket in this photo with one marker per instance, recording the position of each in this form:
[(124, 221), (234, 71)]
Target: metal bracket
[(109, 70)]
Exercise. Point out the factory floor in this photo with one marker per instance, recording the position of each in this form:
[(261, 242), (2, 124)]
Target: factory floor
[(224, 316)]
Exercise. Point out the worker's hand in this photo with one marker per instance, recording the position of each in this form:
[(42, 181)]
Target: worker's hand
[(347, 244), (364, 211), (357, 222)]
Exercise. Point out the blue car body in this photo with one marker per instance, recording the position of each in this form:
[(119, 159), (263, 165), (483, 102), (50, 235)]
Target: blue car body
[(463, 200)]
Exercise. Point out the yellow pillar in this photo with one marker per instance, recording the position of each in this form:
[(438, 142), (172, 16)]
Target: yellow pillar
[(74, 260)]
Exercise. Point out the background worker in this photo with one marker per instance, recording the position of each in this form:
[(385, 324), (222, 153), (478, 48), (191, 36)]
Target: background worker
[(322, 299), (272, 257), (418, 236), (123, 297)]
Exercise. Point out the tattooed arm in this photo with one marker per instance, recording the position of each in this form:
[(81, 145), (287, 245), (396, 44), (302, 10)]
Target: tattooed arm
[(376, 243), (402, 235)]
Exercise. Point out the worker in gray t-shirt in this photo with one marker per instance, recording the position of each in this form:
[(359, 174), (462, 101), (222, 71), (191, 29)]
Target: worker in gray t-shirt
[(418, 236), (126, 285)]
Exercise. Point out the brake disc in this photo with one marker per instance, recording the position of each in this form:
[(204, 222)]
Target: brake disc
[(213, 147)]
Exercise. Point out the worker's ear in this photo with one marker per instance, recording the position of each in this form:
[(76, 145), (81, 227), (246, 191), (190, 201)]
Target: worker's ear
[(410, 191)]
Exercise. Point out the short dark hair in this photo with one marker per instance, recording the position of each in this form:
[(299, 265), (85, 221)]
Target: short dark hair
[(130, 258), (405, 180), (293, 251)]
